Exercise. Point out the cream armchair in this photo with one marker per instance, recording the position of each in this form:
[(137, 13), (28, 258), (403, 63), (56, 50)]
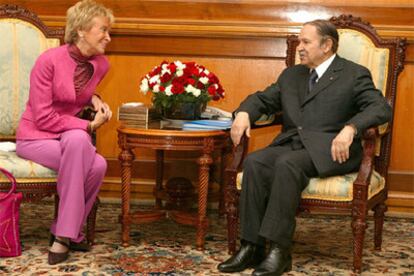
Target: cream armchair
[(23, 38), (355, 193)]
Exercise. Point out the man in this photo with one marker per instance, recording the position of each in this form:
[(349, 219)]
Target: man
[(326, 102)]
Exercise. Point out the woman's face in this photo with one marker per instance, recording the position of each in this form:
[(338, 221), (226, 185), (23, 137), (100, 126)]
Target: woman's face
[(94, 41)]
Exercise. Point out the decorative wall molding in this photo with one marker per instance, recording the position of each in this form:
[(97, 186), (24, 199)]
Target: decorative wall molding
[(212, 28)]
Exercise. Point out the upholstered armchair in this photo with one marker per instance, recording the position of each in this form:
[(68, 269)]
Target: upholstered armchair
[(355, 193), (24, 37)]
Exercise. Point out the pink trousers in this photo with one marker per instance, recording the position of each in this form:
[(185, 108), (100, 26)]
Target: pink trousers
[(80, 173)]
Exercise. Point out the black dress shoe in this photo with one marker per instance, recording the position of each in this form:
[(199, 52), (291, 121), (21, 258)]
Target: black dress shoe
[(249, 255), (276, 263)]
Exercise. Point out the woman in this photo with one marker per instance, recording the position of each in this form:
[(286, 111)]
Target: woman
[(62, 83)]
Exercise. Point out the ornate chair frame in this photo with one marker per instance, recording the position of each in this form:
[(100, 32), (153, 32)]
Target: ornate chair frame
[(34, 190), (360, 205)]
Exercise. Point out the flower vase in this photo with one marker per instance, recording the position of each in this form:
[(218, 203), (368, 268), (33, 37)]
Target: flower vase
[(184, 111)]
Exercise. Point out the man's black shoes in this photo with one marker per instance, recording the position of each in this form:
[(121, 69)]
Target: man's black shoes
[(277, 261), (249, 255)]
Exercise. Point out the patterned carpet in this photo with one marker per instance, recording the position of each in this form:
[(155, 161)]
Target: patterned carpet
[(322, 247)]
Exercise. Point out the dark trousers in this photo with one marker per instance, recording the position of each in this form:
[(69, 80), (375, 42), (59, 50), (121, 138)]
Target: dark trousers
[(273, 179)]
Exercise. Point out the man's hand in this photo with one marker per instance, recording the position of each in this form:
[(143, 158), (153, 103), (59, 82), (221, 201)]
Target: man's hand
[(341, 143), (241, 124)]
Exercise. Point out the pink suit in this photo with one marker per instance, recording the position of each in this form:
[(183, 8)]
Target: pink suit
[(50, 134)]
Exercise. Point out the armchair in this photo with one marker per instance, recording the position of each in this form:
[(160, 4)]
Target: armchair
[(355, 193), (24, 37)]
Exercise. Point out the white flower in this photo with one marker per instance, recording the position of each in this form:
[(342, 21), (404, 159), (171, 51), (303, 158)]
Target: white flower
[(154, 79), (180, 66), (156, 88), (203, 80), (191, 89), (168, 91), (196, 92), (179, 73), (144, 86), (206, 72), (165, 70)]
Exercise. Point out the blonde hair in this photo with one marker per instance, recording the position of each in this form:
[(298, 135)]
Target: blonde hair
[(80, 15)]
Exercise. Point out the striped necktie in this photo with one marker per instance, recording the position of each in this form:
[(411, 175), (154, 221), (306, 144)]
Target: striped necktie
[(312, 79)]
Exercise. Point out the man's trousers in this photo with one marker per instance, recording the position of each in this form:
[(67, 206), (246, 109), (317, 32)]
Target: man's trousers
[(273, 180)]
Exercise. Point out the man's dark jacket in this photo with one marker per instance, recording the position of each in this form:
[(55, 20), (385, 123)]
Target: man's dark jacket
[(345, 94)]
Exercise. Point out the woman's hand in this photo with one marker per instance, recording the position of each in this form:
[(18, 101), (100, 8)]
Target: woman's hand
[(103, 113), (98, 105)]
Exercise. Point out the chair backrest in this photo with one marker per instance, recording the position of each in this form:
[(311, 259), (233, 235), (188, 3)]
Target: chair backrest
[(23, 38), (360, 43)]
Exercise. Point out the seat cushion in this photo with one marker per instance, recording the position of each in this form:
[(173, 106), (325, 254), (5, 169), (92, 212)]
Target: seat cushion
[(24, 170), (335, 188)]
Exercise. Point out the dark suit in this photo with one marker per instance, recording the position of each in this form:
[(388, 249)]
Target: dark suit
[(274, 177)]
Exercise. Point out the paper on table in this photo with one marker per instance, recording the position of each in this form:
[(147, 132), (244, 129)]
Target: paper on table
[(132, 104)]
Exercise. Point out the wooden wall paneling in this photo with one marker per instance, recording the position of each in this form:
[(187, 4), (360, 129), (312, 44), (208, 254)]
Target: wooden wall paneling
[(402, 149)]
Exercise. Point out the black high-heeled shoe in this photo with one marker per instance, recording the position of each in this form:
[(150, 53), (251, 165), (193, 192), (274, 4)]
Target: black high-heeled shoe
[(58, 257), (82, 246)]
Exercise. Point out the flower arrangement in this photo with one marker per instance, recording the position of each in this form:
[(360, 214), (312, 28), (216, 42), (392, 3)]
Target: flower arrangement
[(179, 83)]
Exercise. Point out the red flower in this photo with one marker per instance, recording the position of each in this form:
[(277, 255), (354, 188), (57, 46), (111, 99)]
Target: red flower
[(212, 90), (191, 81), (200, 85), (172, 67), (177, 88), (166, 77), (212, 78), (156, 71)]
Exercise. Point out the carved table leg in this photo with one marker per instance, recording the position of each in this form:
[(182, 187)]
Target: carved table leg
[(159, 178), (204, 162), (126, 157)]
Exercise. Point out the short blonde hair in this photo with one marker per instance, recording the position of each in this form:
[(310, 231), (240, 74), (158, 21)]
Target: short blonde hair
[(80, 15)]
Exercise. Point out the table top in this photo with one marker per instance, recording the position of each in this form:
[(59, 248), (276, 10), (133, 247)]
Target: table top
[(170, 128)]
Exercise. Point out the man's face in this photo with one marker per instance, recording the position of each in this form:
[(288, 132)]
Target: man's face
[(311, 51)]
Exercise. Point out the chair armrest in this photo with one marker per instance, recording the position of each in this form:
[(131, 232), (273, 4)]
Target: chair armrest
[(367, 164), (238, 154)]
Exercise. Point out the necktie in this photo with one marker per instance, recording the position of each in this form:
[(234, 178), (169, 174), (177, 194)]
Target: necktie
[(312, 79)]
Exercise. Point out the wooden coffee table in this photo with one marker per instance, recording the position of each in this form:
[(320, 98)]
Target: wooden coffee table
[(204, 142)]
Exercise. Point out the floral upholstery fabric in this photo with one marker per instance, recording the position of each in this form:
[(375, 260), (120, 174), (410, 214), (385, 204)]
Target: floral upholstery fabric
[(20, 45), (335, 188), (24, 170)]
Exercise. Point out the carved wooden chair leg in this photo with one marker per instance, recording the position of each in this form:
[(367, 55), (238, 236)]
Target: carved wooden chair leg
[(359, 224), (379, 211), (91, 222), (232, 201)]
